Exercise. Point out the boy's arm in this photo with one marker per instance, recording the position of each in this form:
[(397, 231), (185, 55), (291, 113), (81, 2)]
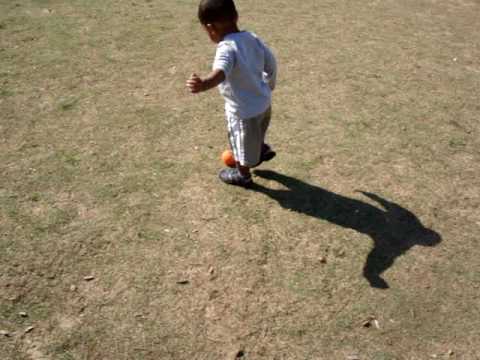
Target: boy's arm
[(270, 67), (196, 84), (222, 66)]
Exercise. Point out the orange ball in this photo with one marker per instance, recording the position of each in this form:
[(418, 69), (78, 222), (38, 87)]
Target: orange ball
[(228, 158)]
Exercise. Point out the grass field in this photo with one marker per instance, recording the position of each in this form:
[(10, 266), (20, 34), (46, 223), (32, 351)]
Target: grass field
[(359, 241)]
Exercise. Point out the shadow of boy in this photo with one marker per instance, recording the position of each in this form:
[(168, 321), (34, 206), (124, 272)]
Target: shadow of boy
[(393, 229)]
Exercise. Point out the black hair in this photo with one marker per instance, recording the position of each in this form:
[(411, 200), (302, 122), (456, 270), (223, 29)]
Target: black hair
[(210, 11)]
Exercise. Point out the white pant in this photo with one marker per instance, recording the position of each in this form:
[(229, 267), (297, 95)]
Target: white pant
[(246, 137)]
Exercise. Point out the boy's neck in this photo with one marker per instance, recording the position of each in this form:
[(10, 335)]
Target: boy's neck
[(228, 29)]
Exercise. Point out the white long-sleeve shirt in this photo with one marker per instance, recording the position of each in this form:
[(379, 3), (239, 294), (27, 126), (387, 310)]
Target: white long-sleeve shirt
[(250, 74)]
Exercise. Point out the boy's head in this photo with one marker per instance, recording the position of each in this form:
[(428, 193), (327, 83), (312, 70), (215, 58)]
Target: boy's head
[(218, 17), (217, 11)]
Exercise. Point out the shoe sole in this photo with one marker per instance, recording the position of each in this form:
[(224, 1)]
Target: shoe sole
[(237, 182), (244, 185), (266, 157)]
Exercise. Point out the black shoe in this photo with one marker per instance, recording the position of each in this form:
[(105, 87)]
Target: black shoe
[(267, 154), (235, 177)]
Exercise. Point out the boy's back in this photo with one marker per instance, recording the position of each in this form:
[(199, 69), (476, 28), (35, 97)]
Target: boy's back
[(250, 70)]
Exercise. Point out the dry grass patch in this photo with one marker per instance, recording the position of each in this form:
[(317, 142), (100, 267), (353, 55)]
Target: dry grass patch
[(109, 170)]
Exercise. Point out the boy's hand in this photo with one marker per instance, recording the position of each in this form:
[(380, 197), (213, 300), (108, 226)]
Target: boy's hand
[(195, 84)]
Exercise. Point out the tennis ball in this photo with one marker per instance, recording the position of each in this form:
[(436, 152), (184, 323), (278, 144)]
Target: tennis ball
[(228, 159)]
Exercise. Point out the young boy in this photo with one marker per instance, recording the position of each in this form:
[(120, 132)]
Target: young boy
[(245, 71)]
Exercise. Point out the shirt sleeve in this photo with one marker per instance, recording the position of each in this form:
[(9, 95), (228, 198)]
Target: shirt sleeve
[(270, 67), (224, 58)]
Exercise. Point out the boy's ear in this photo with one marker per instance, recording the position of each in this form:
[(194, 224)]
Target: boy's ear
[(210, 27)]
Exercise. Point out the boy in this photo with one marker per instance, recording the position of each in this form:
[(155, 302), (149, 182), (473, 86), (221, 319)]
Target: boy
[(245, 71)]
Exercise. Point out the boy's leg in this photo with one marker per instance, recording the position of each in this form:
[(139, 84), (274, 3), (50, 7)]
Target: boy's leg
[(267, 115), (238, 133), (254, 139), (247, 140), (244, 170), (267, 153)]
